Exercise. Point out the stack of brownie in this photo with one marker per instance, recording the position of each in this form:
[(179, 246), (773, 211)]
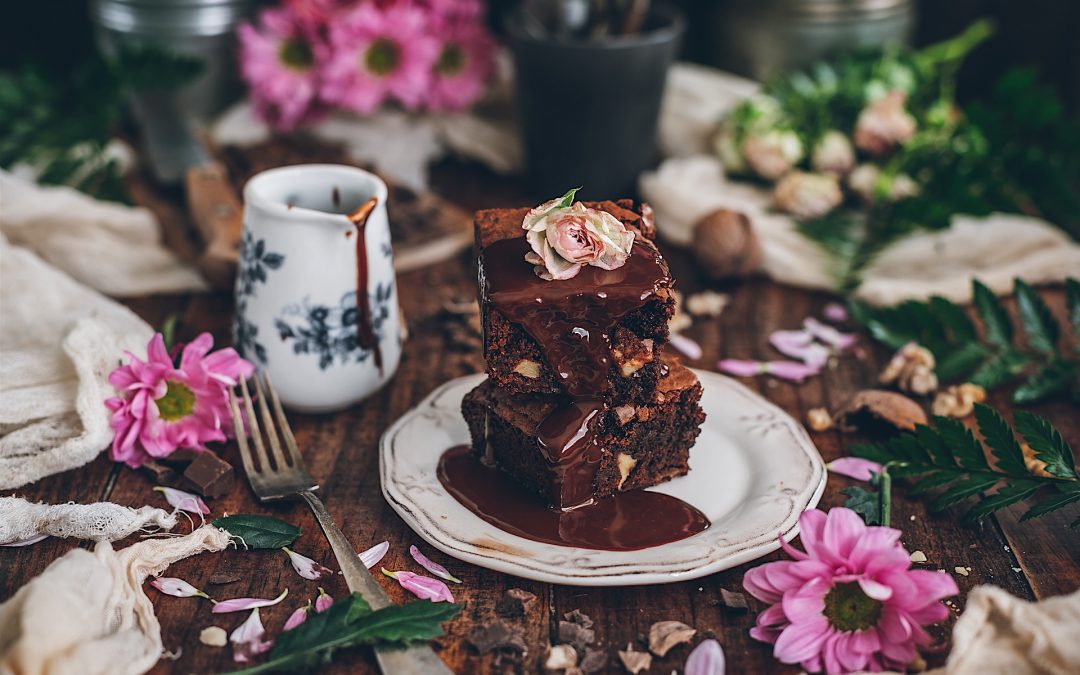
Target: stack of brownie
[(580, 400)]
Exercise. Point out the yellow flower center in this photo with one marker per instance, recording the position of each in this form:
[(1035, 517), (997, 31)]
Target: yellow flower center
[(451, 61), (177, 403), (382, 57), (296, 54), (848, 609)]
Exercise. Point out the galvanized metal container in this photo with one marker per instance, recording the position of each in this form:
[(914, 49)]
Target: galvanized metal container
[(759, 38), (200, 28)]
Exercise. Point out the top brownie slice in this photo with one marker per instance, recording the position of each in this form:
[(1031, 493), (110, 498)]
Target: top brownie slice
[(597, 335)]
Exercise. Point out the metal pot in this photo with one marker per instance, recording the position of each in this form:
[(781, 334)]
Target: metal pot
[(760, 38)]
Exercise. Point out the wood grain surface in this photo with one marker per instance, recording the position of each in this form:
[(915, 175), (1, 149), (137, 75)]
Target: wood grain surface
[(1033, 560)]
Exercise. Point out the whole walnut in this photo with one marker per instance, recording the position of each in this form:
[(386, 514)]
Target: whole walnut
[(725, 244)]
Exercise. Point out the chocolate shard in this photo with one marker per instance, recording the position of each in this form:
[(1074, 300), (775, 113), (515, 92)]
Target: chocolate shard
[(515, 603), (576, 635), (209, 475), (580, 618), (182, 457), (162, 474), (733, 600), (496, 636)]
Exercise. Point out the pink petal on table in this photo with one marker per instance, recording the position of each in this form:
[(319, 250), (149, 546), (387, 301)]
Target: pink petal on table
[(432, 566), (305, 566), (178, 588), (422, 587), (800, 344), (324, 601), (829, 335), (791, 371), (298, 617), (835, 312), (706, 659), (241, 604), (26, 542), (741, 367), (854, 467), (688, 347), (373, 555), (185, 501), (249, 638)]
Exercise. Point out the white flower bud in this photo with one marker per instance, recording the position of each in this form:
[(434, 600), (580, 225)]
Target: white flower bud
[(862, 179), (833, 153), (773, 153), (808, 195), (883, 124)]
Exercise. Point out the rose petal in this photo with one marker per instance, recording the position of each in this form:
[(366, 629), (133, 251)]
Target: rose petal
[(421, 586), (706, 659), (185, 501), (306, 567), (432, 566), (241, 604), (177, 588), (373, 555), (249, 638), (688, 347), (854, 467)]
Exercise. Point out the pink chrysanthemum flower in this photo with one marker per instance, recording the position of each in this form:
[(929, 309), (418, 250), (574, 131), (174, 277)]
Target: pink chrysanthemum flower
[(280, 63), (466, 61), (850, 602), (163, 406), (377, 53)]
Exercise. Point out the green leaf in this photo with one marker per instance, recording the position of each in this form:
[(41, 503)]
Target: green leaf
[(935, 480), (255, 531), (1000, 369), (1055, 377), (1068, 493), (347, 623), (1039, 324), (968, 487), (567, 199), (877, 452), (1006, 496), (1001, 441), (967, 451), (865, 503), (940, 453), (953, 318), (1072, 301), (1048, 444), (961, 361), (992, 314)]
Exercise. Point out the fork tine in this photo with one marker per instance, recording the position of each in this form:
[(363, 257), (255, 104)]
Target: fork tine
[(241, 434), (269, 426), (283, 424), (253, 424)]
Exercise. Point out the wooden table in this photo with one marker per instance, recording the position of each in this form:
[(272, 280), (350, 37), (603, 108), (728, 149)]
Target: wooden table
[(1034, 560)]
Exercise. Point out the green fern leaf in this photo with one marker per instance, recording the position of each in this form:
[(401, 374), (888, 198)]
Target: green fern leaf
[(969, 487), (935, 480), (1008, 495), (1001, 441), (954, 319), (960, 362), (967, 451), (993, 315), (1068, 493), (1072, 301), (1056, 377), (1042, 330), (1048, 444), (1000, 369)]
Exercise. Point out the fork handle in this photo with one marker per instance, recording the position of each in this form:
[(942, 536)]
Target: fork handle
[(417, 660)]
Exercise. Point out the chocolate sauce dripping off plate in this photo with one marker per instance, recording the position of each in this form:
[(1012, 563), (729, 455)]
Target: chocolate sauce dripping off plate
[(365, 331)]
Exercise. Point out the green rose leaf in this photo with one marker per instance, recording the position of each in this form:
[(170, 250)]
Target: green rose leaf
[(254, 531)]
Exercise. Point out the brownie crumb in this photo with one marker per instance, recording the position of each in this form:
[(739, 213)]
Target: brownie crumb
[(733, 600), (496, 636), (515, 603), (580, 618), (222, 579)]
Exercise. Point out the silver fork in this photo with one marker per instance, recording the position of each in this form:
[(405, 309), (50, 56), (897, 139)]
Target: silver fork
[(285, 477)]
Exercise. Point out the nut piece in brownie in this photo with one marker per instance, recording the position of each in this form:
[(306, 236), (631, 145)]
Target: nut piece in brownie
[(596, 335), (626, 447)]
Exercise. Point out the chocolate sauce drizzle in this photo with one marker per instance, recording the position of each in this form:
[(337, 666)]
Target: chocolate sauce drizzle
[(365, 331), (626, 521)]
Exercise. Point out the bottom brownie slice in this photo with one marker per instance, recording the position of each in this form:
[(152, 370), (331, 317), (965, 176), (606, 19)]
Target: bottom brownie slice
[(639, 446)]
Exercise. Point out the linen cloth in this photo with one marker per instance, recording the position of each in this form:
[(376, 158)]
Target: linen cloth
[(21, 520), (87, 614)]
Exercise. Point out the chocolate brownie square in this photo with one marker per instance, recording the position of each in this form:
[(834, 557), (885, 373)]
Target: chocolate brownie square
[(533, 328), (632, 446)]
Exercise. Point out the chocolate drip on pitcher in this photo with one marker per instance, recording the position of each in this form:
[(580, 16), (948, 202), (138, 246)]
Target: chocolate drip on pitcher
[(365, 331)]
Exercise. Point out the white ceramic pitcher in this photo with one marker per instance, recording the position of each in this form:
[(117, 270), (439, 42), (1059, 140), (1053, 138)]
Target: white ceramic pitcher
[(297, 286)]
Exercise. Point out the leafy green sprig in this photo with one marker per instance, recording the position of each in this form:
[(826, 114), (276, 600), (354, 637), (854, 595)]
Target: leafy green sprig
[(995, 356), (950, 462)]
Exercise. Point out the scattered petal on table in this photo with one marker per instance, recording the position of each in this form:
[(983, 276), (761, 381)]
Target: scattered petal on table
[(792, 371), (854, 467), (740, 367), (800, 344), (829, 335), (241, 604), (249, 639), (298, 617), (422, 587), (688, 347), (324, 601), (432, 566), (373, 555), (26, 542), (306, 567), (706, 659), (835, 312), (185, 501), (178, 588)]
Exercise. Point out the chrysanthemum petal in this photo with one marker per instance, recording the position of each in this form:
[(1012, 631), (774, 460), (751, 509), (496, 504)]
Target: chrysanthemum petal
[(802, 640)]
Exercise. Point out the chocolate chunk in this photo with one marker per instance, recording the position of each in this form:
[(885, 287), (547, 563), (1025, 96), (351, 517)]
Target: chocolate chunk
[(733, 600), (182, 457), (496, 636), (593, 661), (209, 475), (577, 635), (515, 603), (222, 579), (162, 475), (579, 618)]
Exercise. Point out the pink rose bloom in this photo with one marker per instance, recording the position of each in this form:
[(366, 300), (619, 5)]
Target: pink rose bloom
[(162, 406), (378, 53), (850, 602), (280, 65), (883, 124), (465, 63), (565, 236)]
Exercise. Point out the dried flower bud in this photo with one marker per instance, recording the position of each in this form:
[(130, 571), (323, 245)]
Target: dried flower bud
[(833, 153), (726, 246), (726, 147), (958, 400), (808, 195), (912, 369), (819, 419), (773, 153), (884, 123)]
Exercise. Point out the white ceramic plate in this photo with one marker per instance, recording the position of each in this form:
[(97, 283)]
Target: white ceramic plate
[(752, 472)]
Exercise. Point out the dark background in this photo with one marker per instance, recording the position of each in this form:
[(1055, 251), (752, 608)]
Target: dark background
[(1039, 33)]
